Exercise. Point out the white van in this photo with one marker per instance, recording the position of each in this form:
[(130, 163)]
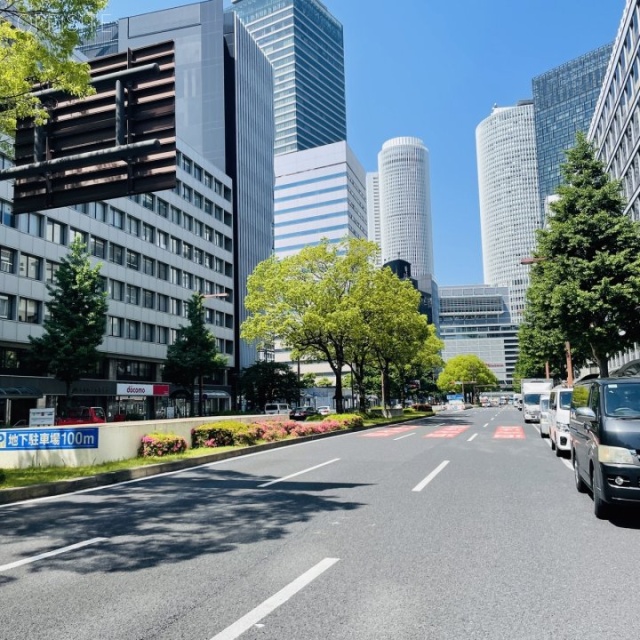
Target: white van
[(559, 414), (544, 415), (276, 408)]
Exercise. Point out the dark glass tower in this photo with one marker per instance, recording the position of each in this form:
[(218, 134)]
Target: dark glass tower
[(304, 44), (564, 101)]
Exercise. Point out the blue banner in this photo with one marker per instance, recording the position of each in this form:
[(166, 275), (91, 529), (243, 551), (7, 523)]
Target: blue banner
[(45, 439)]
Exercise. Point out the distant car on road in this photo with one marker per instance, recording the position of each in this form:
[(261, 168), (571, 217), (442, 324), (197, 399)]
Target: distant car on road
[(82, 415), (302, 413), (324, 411)]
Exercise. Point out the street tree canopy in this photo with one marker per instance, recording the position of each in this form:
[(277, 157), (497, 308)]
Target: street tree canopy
[(585, 287), (37, 39), (466, 371), (265, 382), (75, 325)]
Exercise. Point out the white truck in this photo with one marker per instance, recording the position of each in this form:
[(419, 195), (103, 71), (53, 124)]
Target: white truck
[(532, 389)]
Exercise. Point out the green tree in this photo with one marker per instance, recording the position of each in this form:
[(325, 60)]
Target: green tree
[(37, 39), (305, 301), (265, 382), (193, 355), (585, 287), (75, 325), (461, 373)]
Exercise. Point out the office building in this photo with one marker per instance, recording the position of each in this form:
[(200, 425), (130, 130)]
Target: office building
[(564, 100), (615, 128), (304, 43), (319, 193), (476, 319), (400, 204), (373, 211), (509, 198)]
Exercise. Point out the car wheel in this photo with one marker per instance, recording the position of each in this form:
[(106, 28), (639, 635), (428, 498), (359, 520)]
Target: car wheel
[(541, 433), (553, 443), (601, 508), (580, 485), (558, 451)]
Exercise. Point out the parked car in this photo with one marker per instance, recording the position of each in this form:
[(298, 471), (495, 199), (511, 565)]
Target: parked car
[(324, 411), (559, 416), (82, 415), (544, 416), (302, 413), (605, 440)]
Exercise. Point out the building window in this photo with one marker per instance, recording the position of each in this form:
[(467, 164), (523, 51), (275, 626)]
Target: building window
[(133, 294), (133, 330), (56, 232), (6, 306), (30, 266), (148, 299), (30, 223), (115, 326), (7, 260), (176, 215), (175, 306), (75, 234), (100, 211), (163, 303), (162, 239), (28, 311), (133, 226), (148, 332), (116, 218), (174, 276), (163, 271), (148, 233), (133, 260), (163, 208), (98, 247), (148, 265), (163, 335), (148, 201), (116, 253), (116, 290), (50, 270)]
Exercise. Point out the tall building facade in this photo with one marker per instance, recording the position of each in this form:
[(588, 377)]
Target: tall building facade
[(304, 43), (615, 128), (249, 161), (564, 101), (476, 319), (400, 197), (373, 211), (509, 198)]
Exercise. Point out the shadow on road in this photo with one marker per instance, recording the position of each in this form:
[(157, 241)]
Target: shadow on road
[(169, 519)]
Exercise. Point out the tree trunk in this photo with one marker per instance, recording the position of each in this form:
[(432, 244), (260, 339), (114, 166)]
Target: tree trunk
[(602, 360)]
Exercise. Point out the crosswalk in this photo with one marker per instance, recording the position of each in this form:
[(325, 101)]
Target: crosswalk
[(503, 432)]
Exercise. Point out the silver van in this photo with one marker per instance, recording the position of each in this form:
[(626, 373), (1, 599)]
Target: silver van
[(559, 414), (276, 408)]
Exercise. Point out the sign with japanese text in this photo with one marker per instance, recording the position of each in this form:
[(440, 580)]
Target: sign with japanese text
[(46, 439), (132, 389)]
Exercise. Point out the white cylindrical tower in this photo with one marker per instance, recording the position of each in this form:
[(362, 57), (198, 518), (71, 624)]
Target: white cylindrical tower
[(509, 198), (405, 204)]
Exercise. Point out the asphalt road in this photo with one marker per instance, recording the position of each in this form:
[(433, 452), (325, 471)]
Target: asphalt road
[(460, 526)]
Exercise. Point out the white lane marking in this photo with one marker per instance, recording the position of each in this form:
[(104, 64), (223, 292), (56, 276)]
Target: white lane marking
[(431, 476), (298, 473), (272, 603), (475, 435), (49, 554), (408, 434), (548, 441), (567, 463), (485, 425), (536, 428)]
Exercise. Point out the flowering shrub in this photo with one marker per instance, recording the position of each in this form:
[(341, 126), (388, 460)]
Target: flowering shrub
[(348, 420), (217, 434), (161, 444)]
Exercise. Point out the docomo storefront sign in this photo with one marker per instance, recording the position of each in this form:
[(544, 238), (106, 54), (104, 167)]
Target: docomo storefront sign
[(143, 390)]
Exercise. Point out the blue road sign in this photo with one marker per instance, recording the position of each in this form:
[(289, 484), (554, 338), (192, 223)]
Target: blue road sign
[(44, 439)]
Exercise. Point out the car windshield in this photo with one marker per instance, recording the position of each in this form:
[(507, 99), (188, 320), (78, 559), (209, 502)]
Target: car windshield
[(622, 400), (544, 404), (531, 398)]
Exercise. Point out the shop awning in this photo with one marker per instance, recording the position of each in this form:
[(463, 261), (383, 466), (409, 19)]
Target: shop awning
[(20, 392)]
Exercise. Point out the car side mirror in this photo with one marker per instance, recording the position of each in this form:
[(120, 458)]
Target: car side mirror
[(585, 413)]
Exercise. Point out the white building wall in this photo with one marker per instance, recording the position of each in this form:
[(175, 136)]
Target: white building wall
[(509, 201), (405, 204)]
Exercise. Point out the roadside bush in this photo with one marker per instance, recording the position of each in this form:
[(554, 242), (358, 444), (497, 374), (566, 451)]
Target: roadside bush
[(3, 476), (161, 444), (221, 434), (347, 420)]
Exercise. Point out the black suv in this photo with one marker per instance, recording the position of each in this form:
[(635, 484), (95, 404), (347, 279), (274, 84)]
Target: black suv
[(302, 413), (605, 440)]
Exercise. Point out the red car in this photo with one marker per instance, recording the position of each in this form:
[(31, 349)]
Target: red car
[(82, 415)]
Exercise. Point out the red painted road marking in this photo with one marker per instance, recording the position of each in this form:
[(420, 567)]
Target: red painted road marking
[(509, 433), (448, 432), (386, 433)]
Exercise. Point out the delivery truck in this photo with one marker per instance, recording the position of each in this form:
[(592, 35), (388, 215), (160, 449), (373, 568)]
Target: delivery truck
[(532, 389)]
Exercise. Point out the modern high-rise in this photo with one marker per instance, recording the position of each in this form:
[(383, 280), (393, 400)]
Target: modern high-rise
[(320, 194), (304, 43), (476, 319), (509, 198), (373, 210), (564, 100), (401, 204), (615, 128)]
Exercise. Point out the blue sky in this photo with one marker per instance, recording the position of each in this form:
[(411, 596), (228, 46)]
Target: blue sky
[(434, 69)]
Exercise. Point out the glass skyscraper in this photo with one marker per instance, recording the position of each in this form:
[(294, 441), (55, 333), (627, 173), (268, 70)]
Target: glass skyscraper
[(304, 44), (564, 101)]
